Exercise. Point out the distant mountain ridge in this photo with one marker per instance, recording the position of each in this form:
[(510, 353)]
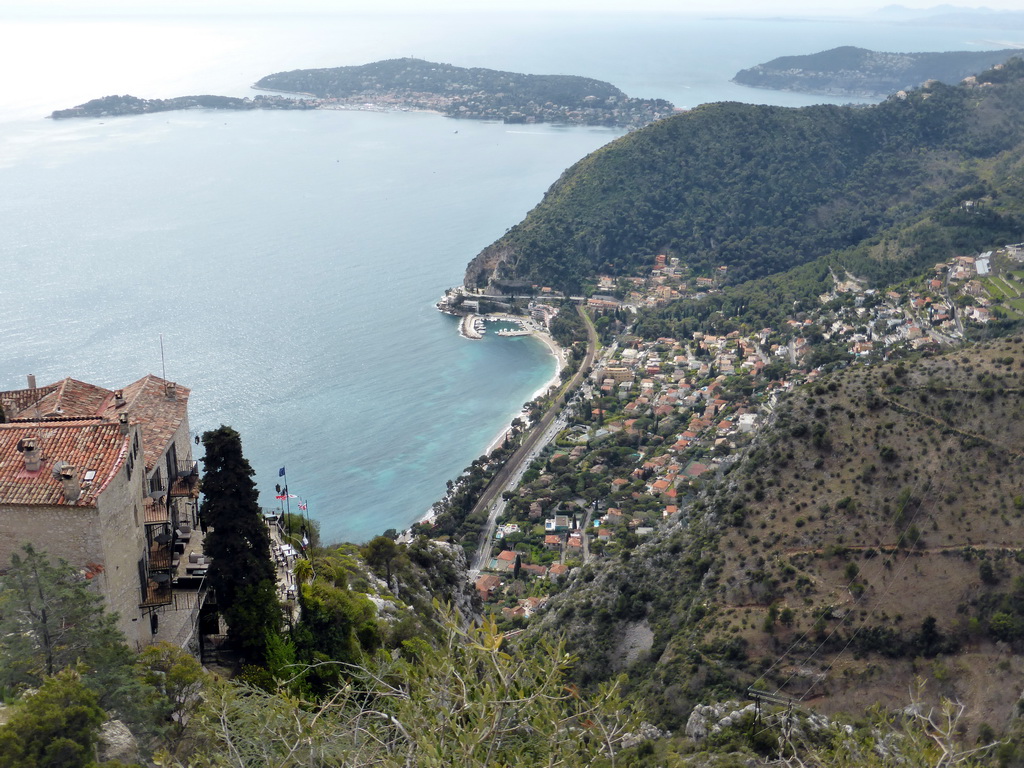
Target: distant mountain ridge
[(853, 71)]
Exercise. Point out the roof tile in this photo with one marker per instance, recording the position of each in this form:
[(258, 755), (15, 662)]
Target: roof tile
[(87, 446)]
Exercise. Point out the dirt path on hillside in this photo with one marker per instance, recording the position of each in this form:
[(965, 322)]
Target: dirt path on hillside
[(911, 551)]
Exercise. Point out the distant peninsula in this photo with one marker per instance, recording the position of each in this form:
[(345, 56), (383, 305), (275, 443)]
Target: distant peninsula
[(413, 84), (471, 93), (108, 106), (851, 71)]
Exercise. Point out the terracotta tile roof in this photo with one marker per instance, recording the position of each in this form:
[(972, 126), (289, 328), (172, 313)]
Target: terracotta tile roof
[(90, 446), (71, 398), (23, 398), (145, 401)]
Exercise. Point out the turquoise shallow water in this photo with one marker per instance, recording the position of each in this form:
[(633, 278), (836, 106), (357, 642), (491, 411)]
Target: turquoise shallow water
[(291, 260)]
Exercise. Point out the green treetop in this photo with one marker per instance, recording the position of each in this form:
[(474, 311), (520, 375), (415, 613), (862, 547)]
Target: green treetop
[(242, 573)]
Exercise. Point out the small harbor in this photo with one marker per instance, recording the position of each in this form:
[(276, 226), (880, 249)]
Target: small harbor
[(475, 326)]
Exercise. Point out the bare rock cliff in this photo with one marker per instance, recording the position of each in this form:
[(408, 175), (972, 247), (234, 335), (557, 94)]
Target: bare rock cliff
[(485, 264)]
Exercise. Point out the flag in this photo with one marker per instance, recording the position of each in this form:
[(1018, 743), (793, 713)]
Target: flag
[(280, 472), (284, 496), (302, 507), (305, 542)]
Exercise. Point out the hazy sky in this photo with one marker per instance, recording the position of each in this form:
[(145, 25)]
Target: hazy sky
[(703, 8)]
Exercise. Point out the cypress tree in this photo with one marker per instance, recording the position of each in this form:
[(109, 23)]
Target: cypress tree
[(242, 573)]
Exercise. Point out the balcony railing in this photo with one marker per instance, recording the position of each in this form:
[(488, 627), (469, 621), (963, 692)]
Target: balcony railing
[(155, 512), (161, 556), (186, 481), (158, 591)]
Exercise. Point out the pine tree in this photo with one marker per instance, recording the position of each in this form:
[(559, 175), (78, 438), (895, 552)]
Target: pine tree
[(57, 726), (50, 619), (242, 573)]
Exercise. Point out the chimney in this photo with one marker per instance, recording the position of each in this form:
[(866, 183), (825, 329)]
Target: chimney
[(118, 398), (33, 456), (171, 389), (69, 479), (122, 422), (10, 409), (31, 381)]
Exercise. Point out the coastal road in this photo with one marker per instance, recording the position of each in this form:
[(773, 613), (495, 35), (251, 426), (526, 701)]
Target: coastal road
[(508, 477)]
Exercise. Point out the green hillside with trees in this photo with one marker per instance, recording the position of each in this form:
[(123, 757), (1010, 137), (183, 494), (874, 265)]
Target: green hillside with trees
[(796, 561), (871, 536), (861, 72), (761, 190), (473, 92)]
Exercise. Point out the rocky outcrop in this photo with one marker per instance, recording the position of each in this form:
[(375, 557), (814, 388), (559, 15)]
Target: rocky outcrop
[(646, 732), (485, 264), (117, 743), (712, 718)]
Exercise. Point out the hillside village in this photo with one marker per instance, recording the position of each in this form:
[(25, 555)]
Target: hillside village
[(658, 415)]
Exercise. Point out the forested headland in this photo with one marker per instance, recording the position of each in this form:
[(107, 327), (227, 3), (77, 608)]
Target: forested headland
[(761, 190), (853, 71), (473, 93)]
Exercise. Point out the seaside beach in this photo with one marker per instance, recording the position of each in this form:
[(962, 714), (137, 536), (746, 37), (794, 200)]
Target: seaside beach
[(559, 354), (468, 329), (556, 350)]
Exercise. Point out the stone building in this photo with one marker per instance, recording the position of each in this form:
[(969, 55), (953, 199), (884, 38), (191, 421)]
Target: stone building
[(105, 479)]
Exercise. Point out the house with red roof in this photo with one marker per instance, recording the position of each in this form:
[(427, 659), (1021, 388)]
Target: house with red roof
[(504, 562), (105, 480), (539, 571), (557, 571), (487, 585), (659, 486)]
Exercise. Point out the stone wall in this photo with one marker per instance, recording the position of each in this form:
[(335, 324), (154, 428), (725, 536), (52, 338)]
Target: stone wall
[(121, 531)]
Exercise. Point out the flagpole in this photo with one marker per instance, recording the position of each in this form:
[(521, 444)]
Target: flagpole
[(304, 508), (288, 502)]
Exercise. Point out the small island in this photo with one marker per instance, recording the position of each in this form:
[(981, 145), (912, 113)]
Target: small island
[(851, 71), (412, 84), (472, 93)]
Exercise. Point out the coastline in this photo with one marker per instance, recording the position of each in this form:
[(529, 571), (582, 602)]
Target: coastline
[(350, 106), (559, 354)]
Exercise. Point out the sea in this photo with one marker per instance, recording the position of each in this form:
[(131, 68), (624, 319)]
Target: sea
[(284, 265)]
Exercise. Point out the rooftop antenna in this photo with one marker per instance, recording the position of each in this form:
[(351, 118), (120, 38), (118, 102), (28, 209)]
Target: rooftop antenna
[(163, 365)]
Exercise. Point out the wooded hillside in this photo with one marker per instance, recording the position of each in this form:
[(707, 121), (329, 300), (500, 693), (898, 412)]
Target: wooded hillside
[(860, 72), (762, 189)]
